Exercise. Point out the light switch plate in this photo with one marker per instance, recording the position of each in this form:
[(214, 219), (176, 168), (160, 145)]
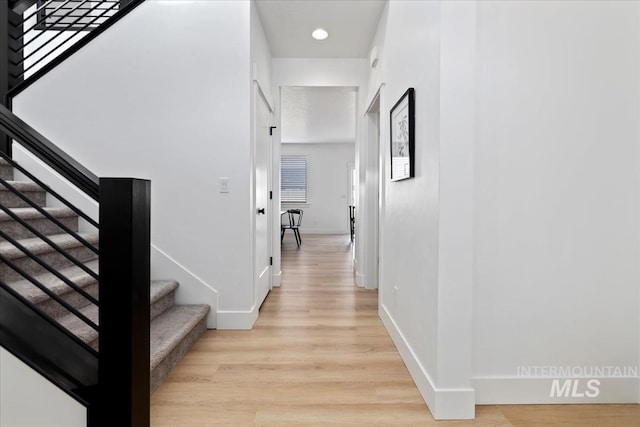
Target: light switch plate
[(224, 185)]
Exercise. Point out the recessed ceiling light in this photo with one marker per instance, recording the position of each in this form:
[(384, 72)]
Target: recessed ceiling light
[(319, 34)]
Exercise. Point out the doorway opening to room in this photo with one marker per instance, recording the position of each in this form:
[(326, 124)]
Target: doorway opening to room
[(352, 189), (317, 163), (371, 176)]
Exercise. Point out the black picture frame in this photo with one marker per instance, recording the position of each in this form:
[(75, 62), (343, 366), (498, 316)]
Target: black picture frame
[(402, 137)]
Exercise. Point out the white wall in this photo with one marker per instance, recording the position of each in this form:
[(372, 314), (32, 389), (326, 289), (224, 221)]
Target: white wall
[(517, 241), (557, 199), (318, 114), (314, 72), (165, 108), (260, 55), (327, 207), (416, 311), (455, 218), (29, 400), (375, 78)]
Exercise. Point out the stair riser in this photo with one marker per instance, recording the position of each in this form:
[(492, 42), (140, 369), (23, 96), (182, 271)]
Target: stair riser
[(56, 311), (43, 225), (162, 305), (73, 298), (54, 259), (156, 309), (160, 372), (6, 172), (10, 200)]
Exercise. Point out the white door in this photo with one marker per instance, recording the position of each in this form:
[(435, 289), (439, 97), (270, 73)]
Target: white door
[(262, 199)]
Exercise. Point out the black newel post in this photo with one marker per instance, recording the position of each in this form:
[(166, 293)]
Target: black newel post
[(123, 396), (10, 55), (4, 50)]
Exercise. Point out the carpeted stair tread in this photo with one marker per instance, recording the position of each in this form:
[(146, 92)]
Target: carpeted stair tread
[(168, 329), (26, 189), (6, 170), (22, 186), (31, 219), (32, 213), (160, 288), (78, 327), (75, 274), (38, 246)]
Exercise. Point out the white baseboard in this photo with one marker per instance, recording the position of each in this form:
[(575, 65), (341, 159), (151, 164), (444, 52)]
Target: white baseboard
[(276, 279), (360, 280), (232, 319), (444, 404), (304, 231), (537, 390)]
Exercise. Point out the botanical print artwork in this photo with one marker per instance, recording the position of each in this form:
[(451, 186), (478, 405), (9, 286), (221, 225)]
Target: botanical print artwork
[(402, 138), (401, 144)]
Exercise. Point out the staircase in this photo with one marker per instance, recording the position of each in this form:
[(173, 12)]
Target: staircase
[(76, 314), (174, 328)]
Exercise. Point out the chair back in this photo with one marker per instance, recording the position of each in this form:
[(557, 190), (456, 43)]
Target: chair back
[(295, 217)]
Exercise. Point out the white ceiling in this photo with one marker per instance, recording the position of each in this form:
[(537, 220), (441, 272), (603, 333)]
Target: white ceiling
[(351, 25)]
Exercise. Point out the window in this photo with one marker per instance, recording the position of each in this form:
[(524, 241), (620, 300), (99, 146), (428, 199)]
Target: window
[(293, 182)]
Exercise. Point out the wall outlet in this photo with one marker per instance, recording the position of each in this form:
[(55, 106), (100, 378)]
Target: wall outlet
[(395, 295)]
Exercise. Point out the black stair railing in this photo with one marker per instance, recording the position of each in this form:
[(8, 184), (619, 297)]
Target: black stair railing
[(36, 36), (50, 30), (112, 381)]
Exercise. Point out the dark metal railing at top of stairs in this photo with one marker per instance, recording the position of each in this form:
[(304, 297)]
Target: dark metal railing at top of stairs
[(43, 33), (112, 379), (37, 35)]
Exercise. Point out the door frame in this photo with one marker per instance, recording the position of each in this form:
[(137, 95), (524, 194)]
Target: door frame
[(373, 190), (259, 96)]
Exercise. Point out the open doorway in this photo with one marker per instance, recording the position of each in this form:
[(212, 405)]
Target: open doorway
[(352, 190), (370, 199), (317, 158)]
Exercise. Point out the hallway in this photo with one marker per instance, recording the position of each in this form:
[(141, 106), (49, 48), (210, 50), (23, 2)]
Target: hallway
[(319, 356)]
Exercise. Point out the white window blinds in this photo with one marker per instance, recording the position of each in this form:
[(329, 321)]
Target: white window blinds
[(293, 179)]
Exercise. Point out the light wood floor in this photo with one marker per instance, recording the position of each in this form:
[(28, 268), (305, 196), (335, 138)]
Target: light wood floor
[(319, 356)]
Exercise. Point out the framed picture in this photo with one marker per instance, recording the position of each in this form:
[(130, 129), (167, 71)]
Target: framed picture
[(403, 137)]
